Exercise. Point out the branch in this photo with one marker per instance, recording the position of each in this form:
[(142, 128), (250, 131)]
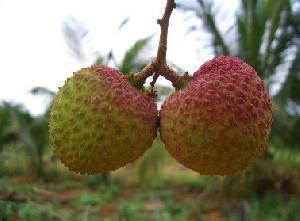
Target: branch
[(164, 26), (159, 66)]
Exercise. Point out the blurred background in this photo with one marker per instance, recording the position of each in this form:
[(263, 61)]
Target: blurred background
[(44, 42)]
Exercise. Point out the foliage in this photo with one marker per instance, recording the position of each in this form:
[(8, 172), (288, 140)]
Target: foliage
[(27, 212), (78, 39), (12, 117), (26, 132), (150, 164), (274, 208), (130, 62), (221, 199), (35, 135)]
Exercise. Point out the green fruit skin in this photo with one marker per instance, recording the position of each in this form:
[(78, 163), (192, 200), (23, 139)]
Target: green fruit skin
[(221, 121), (99, 122)]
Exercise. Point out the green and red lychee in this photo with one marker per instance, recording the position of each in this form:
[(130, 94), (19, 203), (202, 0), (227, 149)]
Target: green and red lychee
[(99, 122), (220, 122)]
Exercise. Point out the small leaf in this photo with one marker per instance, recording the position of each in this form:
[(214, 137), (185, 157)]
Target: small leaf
[(123, 23), (129, 62)]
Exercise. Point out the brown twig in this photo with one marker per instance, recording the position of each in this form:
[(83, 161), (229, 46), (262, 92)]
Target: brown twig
[(141, 77), (164, 26), (159, 66), (155, 77)]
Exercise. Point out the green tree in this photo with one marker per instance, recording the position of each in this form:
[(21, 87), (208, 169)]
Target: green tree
[(12, 117), (36, 136), (26, 132)]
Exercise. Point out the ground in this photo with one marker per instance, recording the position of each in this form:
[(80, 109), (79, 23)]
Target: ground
[(155, 188)]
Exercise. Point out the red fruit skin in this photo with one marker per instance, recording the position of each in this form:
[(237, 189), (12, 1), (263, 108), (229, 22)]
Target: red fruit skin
[(221, 121)]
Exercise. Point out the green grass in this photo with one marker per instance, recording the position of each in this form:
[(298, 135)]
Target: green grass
[(274, 207), (29, 211), (154, 188), (117, 201), (286, 154)]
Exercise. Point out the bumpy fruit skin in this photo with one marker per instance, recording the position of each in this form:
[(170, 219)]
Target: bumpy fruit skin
[(99, 122), (220, 122)]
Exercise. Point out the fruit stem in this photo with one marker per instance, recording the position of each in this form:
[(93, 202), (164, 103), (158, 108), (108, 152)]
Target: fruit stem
[(164, 26), (159, 66)]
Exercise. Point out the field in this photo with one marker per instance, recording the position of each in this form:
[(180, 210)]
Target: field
[(153, 188)]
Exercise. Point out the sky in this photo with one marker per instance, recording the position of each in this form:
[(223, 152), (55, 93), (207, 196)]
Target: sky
[(33, 51)]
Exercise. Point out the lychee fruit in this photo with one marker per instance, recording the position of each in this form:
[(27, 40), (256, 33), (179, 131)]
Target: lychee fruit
[(220, 122), (99, 122)]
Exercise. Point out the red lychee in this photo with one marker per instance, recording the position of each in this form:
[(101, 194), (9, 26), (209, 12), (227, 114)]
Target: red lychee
[(220, 122)]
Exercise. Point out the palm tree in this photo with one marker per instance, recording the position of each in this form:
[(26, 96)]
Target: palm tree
[(19, 128), (10, 116), (266, 36), (37, 138), (12, 120)]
